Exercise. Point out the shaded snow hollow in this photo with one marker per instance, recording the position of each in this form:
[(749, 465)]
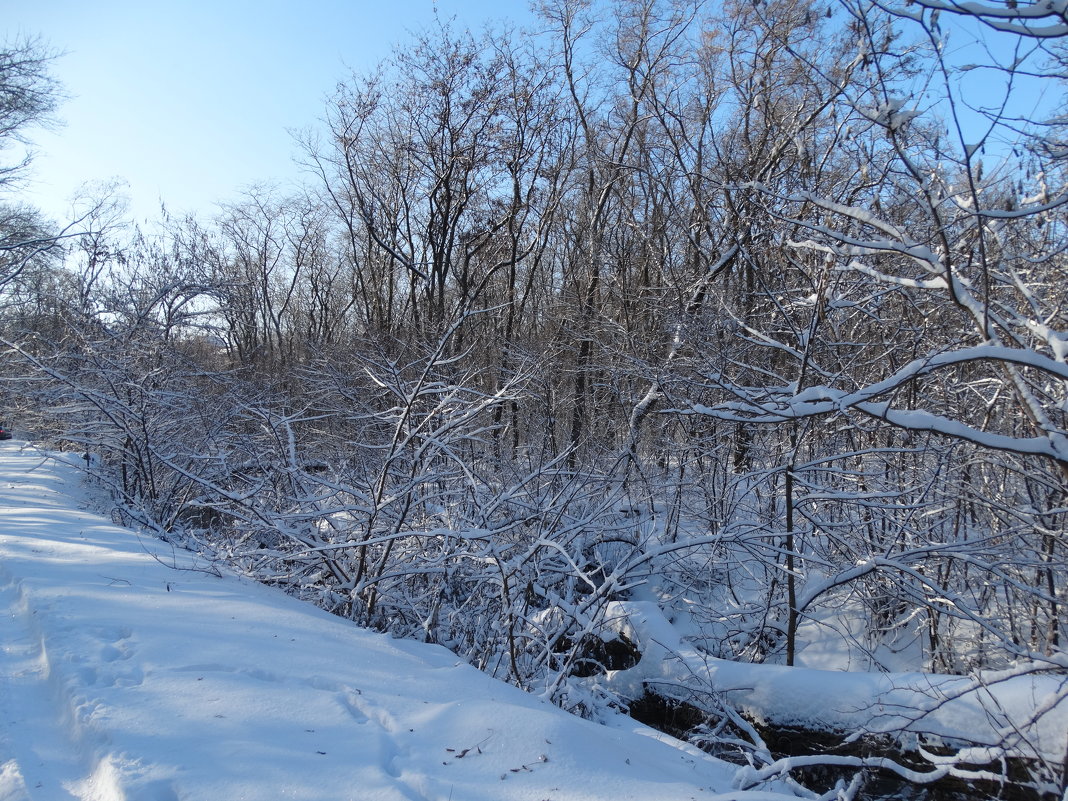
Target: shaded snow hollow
[(123, 678)]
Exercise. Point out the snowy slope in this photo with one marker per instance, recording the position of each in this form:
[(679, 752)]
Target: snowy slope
[(127, 674)]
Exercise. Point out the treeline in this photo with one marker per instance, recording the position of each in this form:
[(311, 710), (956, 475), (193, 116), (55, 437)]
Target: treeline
[(738, 308)]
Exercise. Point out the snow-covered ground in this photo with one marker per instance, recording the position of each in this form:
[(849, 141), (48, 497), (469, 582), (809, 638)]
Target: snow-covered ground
[(128, 673)]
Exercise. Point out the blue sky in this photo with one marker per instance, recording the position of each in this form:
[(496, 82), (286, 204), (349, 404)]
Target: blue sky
[(190, 100)]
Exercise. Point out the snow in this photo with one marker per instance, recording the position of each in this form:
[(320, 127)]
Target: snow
[(132, 671), (817, 400), (1015, 18), (129, 671), (891, 115), (994, 708)]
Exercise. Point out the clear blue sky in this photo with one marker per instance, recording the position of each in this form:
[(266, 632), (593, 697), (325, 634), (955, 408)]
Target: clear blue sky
[(190, 100)]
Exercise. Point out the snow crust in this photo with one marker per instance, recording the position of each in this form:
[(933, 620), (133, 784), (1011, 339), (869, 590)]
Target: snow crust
[(128, 672)]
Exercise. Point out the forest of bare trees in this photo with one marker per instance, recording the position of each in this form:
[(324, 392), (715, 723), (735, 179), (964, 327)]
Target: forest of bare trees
[(757, 310)]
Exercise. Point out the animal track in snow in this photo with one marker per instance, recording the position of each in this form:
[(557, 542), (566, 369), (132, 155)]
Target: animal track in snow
[(109, 653), (349, 700), (115, 666), (112, 634)]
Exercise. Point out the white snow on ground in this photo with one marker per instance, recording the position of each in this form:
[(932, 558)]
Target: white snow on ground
[(127, 674)]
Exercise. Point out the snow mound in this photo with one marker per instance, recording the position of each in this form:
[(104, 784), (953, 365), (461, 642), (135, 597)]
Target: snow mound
[(1023, 709)]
